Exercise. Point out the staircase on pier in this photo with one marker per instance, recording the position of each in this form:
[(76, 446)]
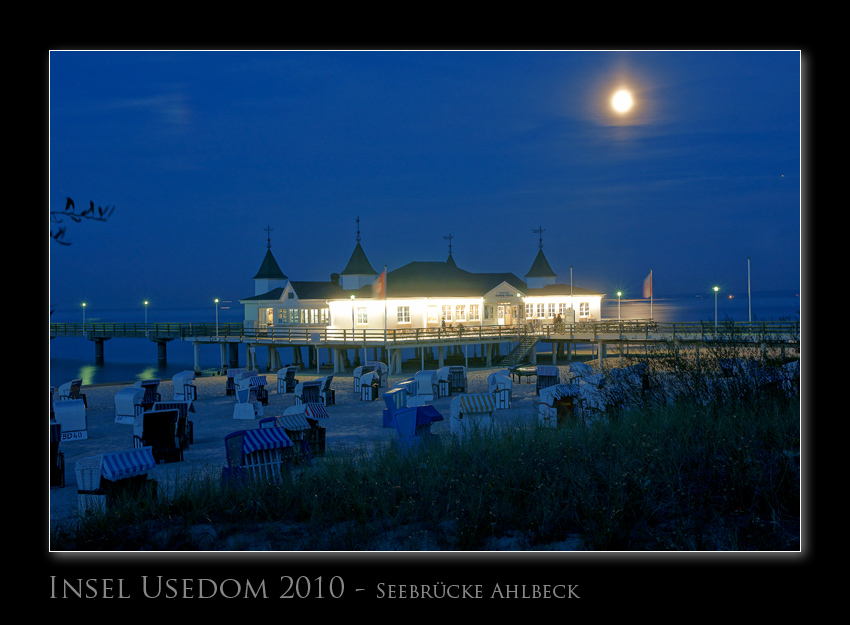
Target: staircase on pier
[(520, 352)]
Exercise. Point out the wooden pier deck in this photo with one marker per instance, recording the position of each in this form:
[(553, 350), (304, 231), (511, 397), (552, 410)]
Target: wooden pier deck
[(603, 333)]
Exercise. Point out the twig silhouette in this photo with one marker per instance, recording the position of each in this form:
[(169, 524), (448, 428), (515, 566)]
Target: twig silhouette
[(70, 212)]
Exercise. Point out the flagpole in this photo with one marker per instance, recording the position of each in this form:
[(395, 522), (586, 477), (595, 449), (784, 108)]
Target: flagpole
[(386, 351), (651, 289), (749, 299)]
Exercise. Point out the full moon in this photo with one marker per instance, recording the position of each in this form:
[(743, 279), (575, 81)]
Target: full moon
[(622, 101)]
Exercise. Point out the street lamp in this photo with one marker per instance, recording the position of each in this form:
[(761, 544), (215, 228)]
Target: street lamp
[(84, 315), (716, 289), (619, 293), (146, 318), (216, 318)]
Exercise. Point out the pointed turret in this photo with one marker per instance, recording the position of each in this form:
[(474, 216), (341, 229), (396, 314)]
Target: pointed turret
[(358, 272), (541, 272), (269, 276)]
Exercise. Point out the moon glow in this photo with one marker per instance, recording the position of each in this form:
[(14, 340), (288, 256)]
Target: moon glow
[(622, 101)]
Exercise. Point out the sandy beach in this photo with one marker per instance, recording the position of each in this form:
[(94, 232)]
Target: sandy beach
[(352, 423)]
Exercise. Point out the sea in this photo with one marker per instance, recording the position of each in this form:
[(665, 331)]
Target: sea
[(127, 360)]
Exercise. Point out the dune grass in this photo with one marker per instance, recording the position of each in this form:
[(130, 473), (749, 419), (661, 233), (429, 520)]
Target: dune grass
[(712, 470)]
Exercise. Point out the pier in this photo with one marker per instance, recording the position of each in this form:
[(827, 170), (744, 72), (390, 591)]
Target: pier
[(522, 340)]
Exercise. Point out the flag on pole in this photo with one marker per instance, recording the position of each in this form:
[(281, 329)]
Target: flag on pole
[(379, 288), (647, 285)]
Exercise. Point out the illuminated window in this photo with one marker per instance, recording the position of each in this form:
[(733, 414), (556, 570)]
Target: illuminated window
[(551, 311), (541, 311), (432, 314), (562, 309), (362, 317), (473, 312), (325, 315), (447, 313), (529, 311), (488, 312), (403, 313), (584, 309), (460, 312)]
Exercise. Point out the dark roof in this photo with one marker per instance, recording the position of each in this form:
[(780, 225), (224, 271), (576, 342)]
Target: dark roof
[(436, 279), (274, 294), (540, 267), (317, 290), (358, 264), (560, 289), (269, 269)]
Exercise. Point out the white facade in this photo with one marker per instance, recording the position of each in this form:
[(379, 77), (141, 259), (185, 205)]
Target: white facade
[(347, 301)]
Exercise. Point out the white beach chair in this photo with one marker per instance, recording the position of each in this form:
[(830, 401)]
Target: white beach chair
[(184, 390), (128, 404), (472, 414), (71, 415)]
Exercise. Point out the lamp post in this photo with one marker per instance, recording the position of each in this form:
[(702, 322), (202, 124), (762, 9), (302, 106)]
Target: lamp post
[(84, 315), (216, 318), (716, 289), (619, 293), (146, 317)]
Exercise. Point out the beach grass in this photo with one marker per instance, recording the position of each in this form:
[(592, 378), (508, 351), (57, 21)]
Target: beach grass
[(716, 469)]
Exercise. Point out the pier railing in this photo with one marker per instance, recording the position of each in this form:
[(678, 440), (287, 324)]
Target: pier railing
[(633, 329)]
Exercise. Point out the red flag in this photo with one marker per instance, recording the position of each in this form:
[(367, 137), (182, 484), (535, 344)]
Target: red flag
[(379, 288), (647, 285)]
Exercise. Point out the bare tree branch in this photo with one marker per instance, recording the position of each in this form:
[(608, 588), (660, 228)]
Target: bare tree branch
[(70, 212)]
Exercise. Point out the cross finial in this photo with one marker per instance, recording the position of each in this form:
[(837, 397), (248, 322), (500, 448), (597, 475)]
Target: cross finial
[(358, 228), (540, 231), (268, 237), (449, 237)]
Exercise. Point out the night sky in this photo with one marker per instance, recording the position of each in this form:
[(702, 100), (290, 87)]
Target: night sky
[(200, 152)]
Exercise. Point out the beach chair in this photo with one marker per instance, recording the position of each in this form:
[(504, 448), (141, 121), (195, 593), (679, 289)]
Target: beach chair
[(412, 423), (314, 414), (426, 385), (72, 390), (185, 427), (472, 414), (395, 399), (383, 372), (547, 375), (57, 458), (258, 383), (370, 384), (298, 429), (261, 455), (247, 405), (71, 415), (327, 395), (184, 390), (158, 429), (457, 380), (286, 380), (444, 388), (230, 380), (128, 404), (558, 405), (103, 479), (359, 372), (308, 392), (500, 384), (151, 388)]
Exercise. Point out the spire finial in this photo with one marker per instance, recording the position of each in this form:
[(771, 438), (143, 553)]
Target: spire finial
[(268, 237), (449, 237), (540, 231), (358, 228)]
